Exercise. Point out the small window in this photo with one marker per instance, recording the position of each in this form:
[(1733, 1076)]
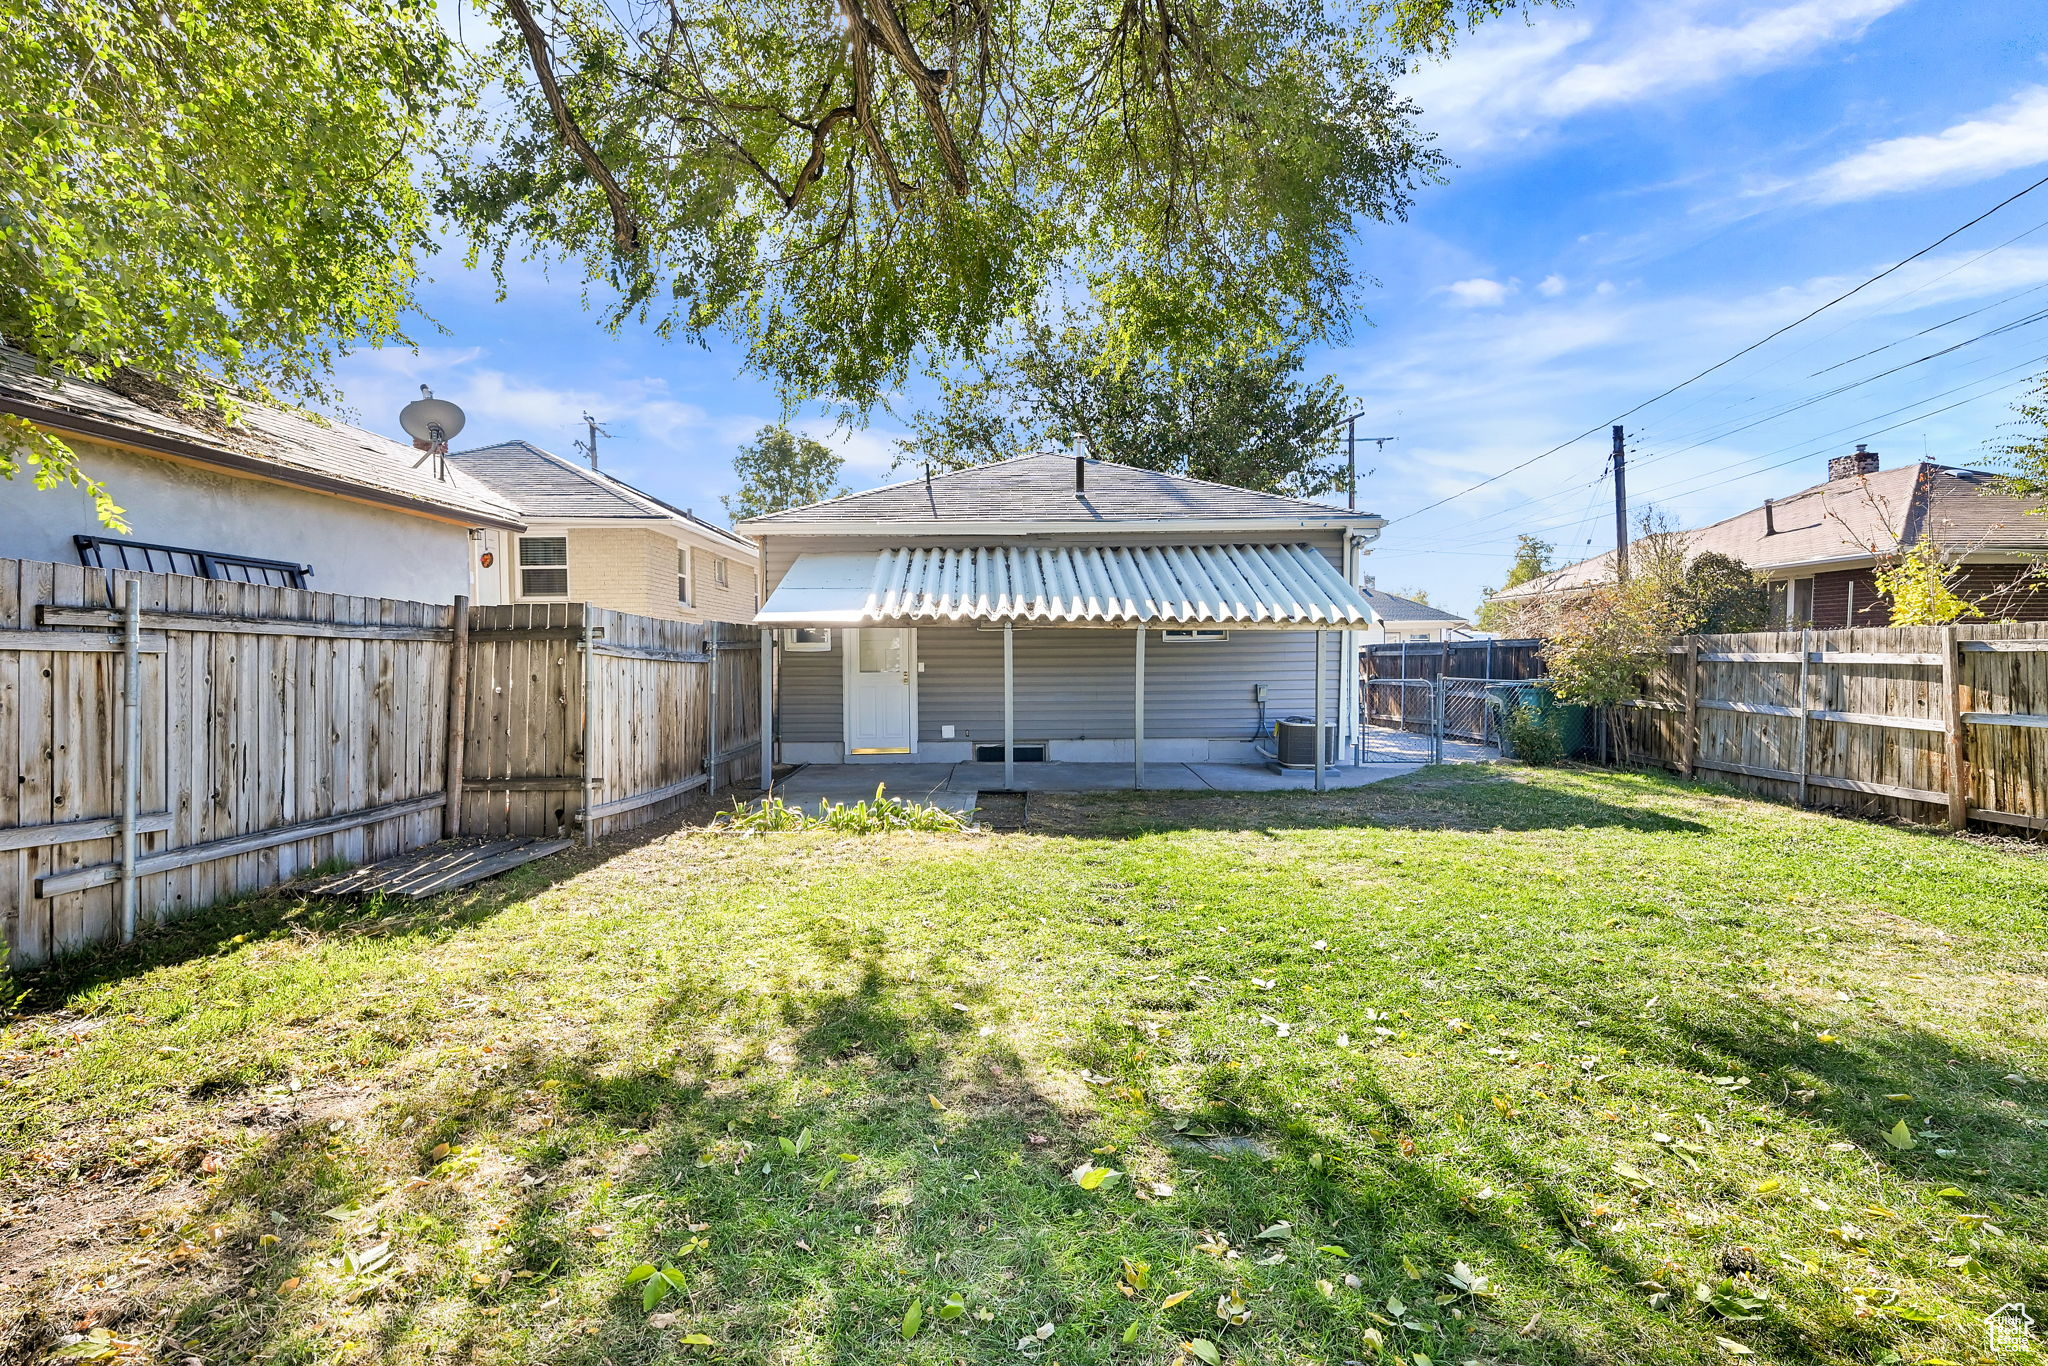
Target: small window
[(807, 640), (683, 575), (1192, 637), (104, 552), (543, 566), (718, 571), (1792, 603)]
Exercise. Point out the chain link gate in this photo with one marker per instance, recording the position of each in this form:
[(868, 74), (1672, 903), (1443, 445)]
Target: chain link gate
[(1425, 720)]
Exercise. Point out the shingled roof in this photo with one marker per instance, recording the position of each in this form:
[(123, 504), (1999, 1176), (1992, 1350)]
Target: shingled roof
[(273, 443), (1040, 488), (1393, 607), (1844, 521), (550, 487)]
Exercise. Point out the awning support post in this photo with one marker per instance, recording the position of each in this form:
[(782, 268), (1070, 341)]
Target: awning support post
[(1322, 703), (767, 711), (1009, 706), (1138, 717)]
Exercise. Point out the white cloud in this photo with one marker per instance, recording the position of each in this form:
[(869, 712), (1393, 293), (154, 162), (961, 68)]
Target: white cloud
[(2003, 139), (1550, 286), (1480, 293), (1509, 84)]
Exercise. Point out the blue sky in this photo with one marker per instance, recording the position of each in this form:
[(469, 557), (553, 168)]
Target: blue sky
[(1642, 187)]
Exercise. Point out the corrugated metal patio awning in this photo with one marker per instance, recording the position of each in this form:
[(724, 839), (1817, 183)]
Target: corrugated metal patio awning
[(1172, 585)]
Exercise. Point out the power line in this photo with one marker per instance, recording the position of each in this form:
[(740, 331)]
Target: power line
[(1892, 301), (1895, 267), (1809, 445), (1788, 409)]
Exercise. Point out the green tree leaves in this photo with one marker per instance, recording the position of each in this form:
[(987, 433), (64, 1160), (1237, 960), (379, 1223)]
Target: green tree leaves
[(210, 192), (850, 186), (1233, 418), (782, 469)]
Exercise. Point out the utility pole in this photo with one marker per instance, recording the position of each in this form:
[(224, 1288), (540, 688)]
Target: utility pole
[(1351, 440), (589, 448), (1620, 507)]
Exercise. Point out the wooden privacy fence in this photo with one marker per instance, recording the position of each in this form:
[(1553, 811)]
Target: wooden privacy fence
[(221, 738), (1945, 723), (653, 688)]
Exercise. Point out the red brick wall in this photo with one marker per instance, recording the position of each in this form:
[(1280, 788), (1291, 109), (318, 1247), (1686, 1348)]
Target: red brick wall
[(2004, 592), (1833, 599)]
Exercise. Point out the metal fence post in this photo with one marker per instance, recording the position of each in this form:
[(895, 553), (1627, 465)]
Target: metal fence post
[(1436, 737)]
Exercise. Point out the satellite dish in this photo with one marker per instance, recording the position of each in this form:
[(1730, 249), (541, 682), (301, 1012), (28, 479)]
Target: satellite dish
[(429, 419)]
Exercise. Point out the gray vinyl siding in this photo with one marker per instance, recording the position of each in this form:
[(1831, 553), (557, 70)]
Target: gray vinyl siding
[(809, 689), (1076, 684)]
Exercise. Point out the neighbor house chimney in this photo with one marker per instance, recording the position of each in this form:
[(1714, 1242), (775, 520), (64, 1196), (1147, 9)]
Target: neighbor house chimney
[(1080, 476), (1853, 466)]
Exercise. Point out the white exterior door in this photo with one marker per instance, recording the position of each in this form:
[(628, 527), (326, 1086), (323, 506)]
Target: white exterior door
[(881, 691)]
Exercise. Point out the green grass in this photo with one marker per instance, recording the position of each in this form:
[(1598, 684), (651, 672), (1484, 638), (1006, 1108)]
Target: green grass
[(1599, 1040)]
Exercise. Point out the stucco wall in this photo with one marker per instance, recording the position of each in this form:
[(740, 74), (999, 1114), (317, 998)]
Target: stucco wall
[(354, 548)]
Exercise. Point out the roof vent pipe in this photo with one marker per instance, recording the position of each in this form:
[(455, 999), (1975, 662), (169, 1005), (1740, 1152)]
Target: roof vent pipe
[(1770, 524), (1080, 476)]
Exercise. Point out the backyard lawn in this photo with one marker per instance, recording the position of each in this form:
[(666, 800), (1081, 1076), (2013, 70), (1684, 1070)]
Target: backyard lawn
[(1478, 1065)]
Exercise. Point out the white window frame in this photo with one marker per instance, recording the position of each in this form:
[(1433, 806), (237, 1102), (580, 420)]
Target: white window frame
[(683, 576), (1198, 635), (718, 571), (807, 640), (520, 566)]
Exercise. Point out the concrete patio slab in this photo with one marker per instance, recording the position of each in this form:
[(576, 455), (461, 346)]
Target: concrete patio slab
[(818, 784), (1063, 777), (1258, 778)]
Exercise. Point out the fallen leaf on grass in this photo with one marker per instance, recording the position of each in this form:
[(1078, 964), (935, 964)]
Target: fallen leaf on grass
[(1900, 1137), (1175, 1298), (1203, 1348)]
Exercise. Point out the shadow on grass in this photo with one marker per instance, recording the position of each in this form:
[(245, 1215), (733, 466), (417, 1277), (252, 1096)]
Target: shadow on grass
[(1455, 797), (923, 1168), (284, 911)]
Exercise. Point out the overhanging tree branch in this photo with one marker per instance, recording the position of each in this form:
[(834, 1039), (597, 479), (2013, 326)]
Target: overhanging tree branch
[(625, 225)]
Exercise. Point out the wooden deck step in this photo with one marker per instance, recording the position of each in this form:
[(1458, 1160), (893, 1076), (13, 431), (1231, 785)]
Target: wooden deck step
[(437, 868)]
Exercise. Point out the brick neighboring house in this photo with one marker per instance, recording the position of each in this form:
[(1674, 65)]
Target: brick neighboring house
[(1820, 547), (592, 537)]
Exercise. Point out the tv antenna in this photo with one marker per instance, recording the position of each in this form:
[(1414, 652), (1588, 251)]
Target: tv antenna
[(589, 448), (431, 423)]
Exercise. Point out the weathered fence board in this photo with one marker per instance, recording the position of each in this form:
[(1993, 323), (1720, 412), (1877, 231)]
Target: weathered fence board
[(281, 729), (1925, 723)]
